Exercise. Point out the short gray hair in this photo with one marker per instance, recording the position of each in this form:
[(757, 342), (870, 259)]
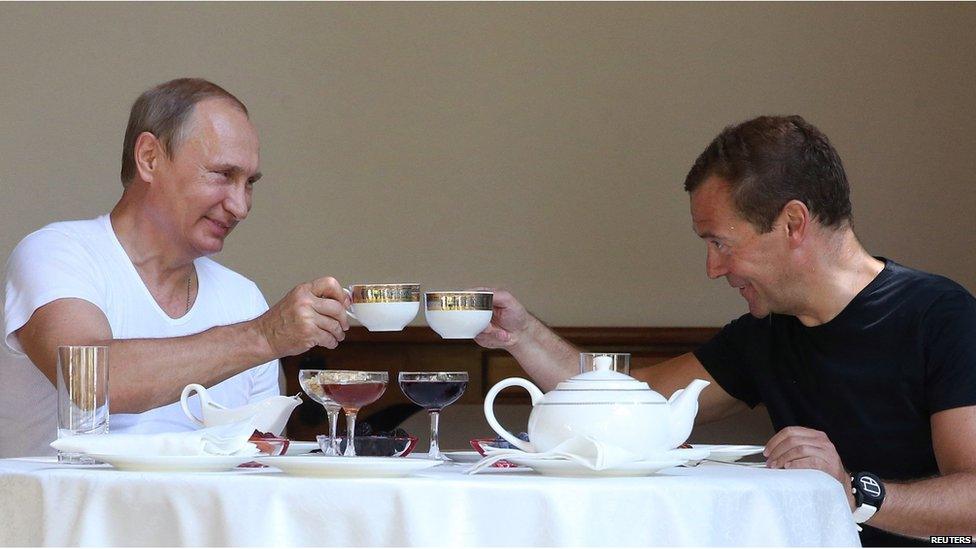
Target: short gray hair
[(164, 111)]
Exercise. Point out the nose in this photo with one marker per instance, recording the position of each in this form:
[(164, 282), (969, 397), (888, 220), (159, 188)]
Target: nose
[(715, 264), (238, 202)]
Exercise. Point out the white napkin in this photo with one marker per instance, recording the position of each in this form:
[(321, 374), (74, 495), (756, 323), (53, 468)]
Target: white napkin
[(583, 450), (222, 440)]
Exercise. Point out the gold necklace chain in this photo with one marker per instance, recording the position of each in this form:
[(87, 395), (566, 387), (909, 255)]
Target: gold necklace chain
[(189, 278)]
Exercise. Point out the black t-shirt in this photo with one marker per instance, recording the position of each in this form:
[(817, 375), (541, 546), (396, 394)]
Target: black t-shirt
[(903, 349)]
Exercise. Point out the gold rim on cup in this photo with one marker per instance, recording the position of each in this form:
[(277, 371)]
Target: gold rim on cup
[(459, 301), (385, 293)]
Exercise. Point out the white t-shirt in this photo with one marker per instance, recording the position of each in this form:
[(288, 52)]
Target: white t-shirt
[(84, 259)]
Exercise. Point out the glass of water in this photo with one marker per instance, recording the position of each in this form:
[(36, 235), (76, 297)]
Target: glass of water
[(617, 362), (82, 378)]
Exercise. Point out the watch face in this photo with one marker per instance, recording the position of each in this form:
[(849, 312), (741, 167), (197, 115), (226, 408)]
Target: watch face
[(869, 486), (868, 489)]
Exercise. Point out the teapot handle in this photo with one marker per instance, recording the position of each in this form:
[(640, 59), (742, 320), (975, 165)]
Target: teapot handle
[(534, 392), (185, 395)]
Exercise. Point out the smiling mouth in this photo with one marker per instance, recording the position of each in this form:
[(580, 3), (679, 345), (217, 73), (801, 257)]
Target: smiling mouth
[(223, 227), (742, 290)]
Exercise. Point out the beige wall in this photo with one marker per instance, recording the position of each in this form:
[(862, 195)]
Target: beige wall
[(540, 147)]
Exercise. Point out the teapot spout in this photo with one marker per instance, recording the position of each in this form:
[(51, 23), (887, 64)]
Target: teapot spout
[(682, 408)]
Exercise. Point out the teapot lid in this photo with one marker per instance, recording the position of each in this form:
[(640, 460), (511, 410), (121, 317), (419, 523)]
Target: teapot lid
[(602, 378)]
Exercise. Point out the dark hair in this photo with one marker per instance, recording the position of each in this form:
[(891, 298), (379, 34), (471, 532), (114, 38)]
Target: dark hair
[(164, 112), (770, 160)]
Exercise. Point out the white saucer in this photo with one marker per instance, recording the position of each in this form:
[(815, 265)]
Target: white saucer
[(172, 463), (649, 466), (567, 468), (317, 465), (728, 452), (299, 447), (688, 454), (463, 457), (505, 470)]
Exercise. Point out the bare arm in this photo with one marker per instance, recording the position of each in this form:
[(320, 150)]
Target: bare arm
[(147, 373), (669, 376), (550, 359), (545, 356), (945, 505)]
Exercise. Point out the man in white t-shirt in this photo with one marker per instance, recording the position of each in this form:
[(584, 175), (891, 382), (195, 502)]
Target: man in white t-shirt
[(139, 281)]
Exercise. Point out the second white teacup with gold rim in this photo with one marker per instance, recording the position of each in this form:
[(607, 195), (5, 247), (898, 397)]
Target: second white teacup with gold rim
[(384, 307), (458, 314)]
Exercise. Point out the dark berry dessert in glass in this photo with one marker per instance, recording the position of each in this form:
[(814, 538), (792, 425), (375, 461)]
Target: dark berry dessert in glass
[(433, 391)]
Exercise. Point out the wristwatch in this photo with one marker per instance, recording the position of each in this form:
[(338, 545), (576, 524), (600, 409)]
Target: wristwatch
[(868, 493)]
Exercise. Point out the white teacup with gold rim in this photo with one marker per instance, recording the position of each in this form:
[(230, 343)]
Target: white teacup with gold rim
[(458, 314), (384, 307)]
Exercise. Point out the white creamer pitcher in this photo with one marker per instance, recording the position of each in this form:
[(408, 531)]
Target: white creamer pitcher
[(268, 416)]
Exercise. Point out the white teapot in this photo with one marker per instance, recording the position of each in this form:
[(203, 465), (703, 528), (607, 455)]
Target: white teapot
[(609, 406), (268, 416)]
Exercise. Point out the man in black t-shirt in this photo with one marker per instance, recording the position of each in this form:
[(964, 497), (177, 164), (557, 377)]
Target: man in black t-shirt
[(867, 367)]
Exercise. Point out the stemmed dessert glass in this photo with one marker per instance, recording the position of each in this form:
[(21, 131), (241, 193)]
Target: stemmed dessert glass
[(352, 390), (433, 391), (309, 380)]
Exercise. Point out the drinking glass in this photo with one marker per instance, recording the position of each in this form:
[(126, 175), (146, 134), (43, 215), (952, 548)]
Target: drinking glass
[(82, 395), (312, 385), (619, 362), (352, 390), (433, 391)]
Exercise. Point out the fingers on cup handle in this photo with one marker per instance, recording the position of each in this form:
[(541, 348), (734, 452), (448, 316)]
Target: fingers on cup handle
[(330, 331), (348, 303), (504, 298), (328, 286)]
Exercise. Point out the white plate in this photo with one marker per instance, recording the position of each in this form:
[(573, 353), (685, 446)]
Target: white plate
[(173, 463), (728, 452), (317, 465), (299, 447), (463, 457), (566, 468)]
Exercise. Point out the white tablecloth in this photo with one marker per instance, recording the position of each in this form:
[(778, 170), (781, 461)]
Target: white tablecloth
[(46, 504)]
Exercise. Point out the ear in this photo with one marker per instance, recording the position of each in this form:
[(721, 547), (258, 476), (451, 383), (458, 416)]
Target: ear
[(148, 153), (795, 217)]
